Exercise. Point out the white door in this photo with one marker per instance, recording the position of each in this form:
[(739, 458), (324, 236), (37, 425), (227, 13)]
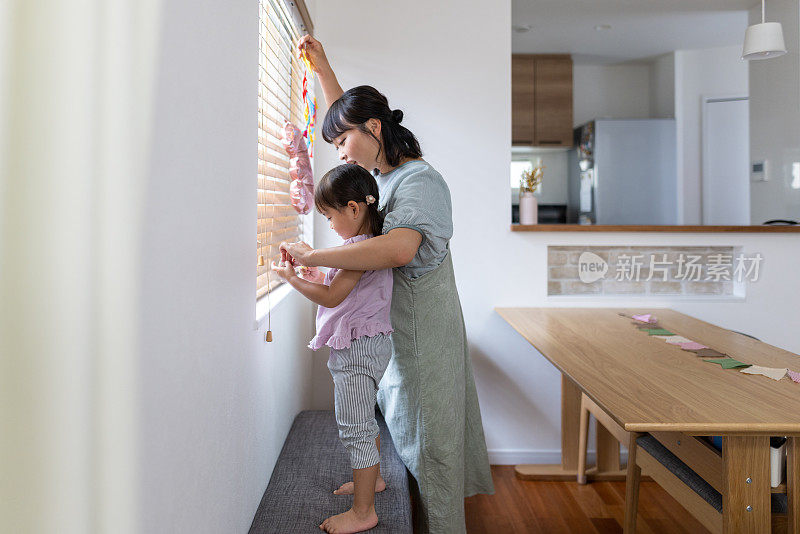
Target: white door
[(726, 161)]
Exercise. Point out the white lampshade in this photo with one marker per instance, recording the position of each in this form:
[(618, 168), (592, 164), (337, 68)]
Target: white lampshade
[(763, 41)]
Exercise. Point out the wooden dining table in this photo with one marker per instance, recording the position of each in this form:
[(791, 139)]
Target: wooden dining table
[(647, 385)]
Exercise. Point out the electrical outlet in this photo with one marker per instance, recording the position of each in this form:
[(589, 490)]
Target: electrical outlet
[(758, 171)]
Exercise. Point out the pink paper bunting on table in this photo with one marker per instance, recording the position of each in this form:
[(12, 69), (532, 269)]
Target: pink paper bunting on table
[(794, 375), (692, 345), (646, 318)]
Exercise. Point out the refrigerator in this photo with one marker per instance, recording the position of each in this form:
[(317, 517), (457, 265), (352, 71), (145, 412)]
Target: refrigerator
[(623, 172)]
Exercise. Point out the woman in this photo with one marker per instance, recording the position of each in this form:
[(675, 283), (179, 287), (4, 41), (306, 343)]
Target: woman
[(427, 394)]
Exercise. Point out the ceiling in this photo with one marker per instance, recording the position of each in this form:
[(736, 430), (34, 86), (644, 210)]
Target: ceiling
[(640, 29)]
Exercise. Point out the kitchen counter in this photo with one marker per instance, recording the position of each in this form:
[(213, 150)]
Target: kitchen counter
[(636, 228)]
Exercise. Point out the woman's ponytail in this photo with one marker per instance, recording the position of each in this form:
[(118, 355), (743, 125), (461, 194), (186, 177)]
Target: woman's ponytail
[(359, 104)]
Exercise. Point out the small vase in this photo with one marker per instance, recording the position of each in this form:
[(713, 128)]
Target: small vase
[(528, 208)]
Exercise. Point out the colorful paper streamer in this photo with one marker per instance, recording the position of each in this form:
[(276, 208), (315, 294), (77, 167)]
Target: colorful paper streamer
[(309, 107)]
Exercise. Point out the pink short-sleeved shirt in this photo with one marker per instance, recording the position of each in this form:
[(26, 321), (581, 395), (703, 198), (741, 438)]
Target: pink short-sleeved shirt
[(364, 312)]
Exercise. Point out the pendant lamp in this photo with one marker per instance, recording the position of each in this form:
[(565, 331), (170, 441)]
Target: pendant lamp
[(763, 41)]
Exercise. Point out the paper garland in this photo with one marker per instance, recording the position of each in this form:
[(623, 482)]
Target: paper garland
[(649, 324), (677, 340), (769, 372), (728, 363), (692, 345), (660, 332), (710, 353)]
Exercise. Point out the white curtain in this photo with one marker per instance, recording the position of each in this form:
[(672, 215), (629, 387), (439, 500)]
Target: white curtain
[(76, 80)]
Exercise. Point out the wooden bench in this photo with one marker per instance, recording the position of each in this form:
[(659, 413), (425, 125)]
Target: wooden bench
[(311, 465), (691, 470)]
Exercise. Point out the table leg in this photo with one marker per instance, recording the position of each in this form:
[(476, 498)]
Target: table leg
[(570, 428), (793, 483), (746, 501), (570, 423)]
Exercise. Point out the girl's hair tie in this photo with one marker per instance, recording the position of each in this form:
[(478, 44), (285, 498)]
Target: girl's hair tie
[(370, 199)]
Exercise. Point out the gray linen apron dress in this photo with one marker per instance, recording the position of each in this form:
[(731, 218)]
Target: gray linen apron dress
[(427, 394)]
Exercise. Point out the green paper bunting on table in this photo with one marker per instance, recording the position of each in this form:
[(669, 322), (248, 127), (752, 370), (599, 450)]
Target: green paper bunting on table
[(728, 363), (660, 332)]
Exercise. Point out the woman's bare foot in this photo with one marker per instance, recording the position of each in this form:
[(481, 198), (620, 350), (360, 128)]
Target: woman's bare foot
[(350, 522), (347, 487)]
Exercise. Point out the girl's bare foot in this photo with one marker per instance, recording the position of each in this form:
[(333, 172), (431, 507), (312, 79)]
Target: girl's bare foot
[(347, 487), (350, 522)]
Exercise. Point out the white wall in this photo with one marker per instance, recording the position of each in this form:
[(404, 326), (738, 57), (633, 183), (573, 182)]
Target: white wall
[(610, 92), (216, 400), (459, 106), (698, 73), (662, 87), (775, 119)]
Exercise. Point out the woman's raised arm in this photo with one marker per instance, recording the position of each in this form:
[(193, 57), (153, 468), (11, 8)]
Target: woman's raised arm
[(331, 90), (395, 249)]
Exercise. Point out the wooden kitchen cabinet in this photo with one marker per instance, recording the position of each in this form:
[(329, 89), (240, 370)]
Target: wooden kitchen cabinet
[(523, 70), (541, 100)]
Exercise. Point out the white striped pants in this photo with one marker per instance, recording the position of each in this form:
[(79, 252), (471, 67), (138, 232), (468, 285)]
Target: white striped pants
[(356, 373)]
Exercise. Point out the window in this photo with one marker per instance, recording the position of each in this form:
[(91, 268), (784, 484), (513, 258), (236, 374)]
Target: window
[(517, 168), (520, 164), (280, 78)]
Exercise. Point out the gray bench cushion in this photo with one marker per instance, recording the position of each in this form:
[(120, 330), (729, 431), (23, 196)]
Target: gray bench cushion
[(311, 465), (692, 479)]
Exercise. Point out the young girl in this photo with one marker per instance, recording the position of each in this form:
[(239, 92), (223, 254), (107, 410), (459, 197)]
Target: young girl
[(353, 320)]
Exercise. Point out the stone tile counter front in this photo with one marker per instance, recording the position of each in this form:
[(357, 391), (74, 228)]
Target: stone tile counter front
[(663, 271)]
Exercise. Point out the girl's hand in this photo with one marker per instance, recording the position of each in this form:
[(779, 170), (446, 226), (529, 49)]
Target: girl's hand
[(312, 274), (300, 252), (314, 52), (286, 257), (284, 270)]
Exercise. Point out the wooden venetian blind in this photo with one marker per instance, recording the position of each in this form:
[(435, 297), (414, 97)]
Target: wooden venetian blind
[(280, 76)]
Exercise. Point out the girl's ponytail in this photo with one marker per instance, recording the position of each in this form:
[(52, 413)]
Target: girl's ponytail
[(349, 182)]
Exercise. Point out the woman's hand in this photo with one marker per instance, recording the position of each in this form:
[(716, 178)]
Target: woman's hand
[(284, 270), (331, 90), (314, 52), (299, 253)]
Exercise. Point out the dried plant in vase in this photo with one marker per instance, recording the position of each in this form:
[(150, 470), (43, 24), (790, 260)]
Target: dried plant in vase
[(531, 179), (528, 206)]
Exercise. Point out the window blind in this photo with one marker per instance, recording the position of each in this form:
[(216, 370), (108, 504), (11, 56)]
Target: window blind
[(280, 77)]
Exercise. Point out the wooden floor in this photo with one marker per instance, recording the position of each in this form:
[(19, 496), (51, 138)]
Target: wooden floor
[(521, 506)]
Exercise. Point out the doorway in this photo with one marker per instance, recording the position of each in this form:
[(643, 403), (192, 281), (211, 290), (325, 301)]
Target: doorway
[(726, 161)]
